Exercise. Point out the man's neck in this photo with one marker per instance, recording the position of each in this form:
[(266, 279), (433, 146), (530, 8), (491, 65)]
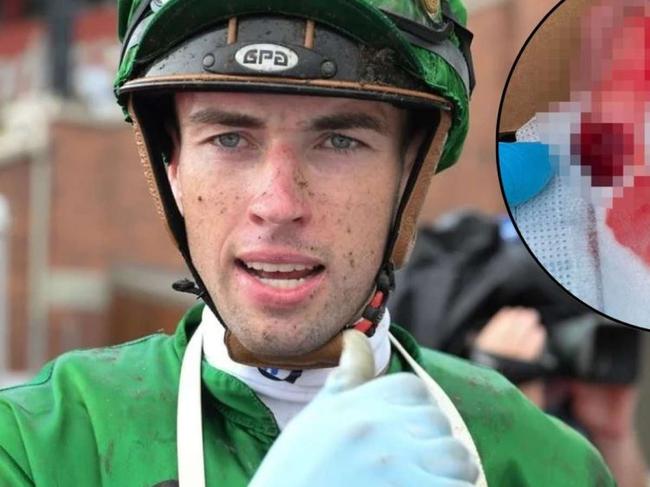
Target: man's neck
[(285, 392)]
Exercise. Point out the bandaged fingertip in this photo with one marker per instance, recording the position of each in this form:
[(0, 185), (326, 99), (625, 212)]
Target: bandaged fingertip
[(356, 366)]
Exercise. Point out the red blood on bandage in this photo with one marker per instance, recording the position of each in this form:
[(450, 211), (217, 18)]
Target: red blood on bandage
[(629, 218), (604, 150)]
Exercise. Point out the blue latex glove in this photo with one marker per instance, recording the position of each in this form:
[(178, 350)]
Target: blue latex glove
[(526, 168), (385, 432)]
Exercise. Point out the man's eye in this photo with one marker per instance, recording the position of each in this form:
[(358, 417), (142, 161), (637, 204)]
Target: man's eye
[(341, 142), (230, 140)]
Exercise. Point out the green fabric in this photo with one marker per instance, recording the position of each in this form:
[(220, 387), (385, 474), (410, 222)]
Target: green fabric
[(410, 10), (178, 20), (106, 417)]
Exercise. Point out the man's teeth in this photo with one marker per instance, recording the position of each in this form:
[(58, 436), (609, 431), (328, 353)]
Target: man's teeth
[(282, 283), (281, 276), (265, 267)]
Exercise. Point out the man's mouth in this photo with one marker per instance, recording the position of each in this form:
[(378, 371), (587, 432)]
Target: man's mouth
[(280, 275)]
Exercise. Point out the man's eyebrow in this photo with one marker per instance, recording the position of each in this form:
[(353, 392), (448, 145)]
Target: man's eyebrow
[(212, 116), (346, 121)]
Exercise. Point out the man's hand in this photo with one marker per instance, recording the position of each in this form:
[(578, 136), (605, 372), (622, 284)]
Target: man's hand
[(384, 432), (517, 334)]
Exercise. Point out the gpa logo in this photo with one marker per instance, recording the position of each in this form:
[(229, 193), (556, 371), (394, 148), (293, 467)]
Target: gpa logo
[(266, 58)]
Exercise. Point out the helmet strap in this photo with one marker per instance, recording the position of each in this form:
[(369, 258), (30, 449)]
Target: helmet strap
[(374, 311), (327, 355)]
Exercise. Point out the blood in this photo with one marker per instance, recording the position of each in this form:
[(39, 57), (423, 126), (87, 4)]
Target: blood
[(629, 218), (605, 149)]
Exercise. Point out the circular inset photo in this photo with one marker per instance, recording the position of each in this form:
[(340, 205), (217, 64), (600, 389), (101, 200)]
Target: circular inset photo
[(574, 152)]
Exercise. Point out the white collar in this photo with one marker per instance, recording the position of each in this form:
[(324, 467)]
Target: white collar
[(284, 397)]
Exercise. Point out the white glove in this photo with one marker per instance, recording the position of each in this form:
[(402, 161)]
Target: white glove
[(380, 432)]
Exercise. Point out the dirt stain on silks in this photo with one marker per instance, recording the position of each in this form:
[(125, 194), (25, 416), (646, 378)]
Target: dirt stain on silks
[(108, 354), (107, 458)]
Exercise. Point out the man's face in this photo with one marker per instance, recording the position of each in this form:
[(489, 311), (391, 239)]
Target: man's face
[(287, 203)]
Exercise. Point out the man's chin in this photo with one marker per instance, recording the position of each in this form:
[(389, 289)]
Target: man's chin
[(282, 347)]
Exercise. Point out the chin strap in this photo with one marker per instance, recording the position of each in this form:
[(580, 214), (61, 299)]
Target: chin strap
[(375, 309), (326, 356), (188, 286)]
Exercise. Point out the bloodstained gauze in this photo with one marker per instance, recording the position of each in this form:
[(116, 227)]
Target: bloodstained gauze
[(603, 150), (629, 218)]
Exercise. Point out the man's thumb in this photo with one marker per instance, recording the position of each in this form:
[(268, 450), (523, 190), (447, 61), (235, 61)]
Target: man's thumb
[(356, 366)]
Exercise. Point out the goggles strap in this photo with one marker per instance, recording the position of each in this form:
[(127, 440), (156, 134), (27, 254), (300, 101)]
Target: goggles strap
[(136, 18)]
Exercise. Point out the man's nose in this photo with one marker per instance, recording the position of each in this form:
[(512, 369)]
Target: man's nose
[(281, 195)]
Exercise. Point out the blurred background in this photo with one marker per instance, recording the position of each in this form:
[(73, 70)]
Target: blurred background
[(85, 260)]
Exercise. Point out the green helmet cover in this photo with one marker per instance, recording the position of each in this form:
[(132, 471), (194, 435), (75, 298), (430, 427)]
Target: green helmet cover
[(177, 20)]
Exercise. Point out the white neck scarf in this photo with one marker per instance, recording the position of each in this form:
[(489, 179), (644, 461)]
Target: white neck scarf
[(285, 392)]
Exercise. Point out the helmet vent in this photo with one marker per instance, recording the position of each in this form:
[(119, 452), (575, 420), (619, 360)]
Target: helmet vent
[(232, 30), (310, 32)]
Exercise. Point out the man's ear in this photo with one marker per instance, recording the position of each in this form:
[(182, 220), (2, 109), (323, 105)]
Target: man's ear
[(173, 171)]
